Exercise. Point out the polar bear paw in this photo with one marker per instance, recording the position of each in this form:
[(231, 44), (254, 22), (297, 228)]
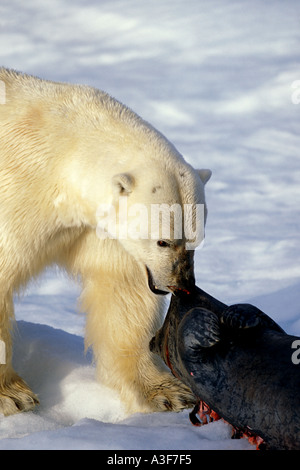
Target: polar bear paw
[(16, 396), (170, 395)]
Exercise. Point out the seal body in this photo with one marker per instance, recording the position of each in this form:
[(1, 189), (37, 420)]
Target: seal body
[(238, 361)]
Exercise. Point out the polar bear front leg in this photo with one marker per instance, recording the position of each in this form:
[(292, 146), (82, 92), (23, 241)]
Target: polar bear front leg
[(122, 317), (15, 395), (120, 323), (162, 391)]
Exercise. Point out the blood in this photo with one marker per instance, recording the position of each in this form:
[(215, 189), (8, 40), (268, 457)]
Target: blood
[(207, 415), (176, 289)]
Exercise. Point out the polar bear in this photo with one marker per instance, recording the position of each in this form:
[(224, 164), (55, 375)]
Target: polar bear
[(65, 150)]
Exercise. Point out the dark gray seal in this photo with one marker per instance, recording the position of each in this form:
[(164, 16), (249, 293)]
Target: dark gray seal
[(238, 361)]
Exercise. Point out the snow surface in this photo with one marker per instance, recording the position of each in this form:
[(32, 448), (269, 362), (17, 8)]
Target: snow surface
[(218, 79)]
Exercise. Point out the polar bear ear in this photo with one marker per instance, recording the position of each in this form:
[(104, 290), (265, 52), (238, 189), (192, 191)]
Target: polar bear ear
[(122, 184), (204, 175)]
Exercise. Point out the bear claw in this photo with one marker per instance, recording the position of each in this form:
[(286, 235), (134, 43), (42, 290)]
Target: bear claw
[(17, 397)]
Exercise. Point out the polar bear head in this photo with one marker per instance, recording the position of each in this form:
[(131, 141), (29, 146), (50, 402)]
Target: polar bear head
[(125, 178), (158, 215)]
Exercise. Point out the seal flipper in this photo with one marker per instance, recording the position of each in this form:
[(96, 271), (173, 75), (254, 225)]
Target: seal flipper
[(243, 316), (199, 329)]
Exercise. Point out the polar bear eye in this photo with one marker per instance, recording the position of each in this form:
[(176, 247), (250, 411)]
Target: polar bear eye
[(163, 244)]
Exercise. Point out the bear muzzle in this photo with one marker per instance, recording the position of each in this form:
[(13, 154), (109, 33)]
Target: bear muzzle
[(183, 283), (152, 285)]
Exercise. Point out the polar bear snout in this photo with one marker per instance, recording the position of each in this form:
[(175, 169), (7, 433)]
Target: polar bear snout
[(152, 285), (184, 285), (177, 274)]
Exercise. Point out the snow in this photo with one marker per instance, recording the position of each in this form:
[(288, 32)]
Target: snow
[(219, 79)]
